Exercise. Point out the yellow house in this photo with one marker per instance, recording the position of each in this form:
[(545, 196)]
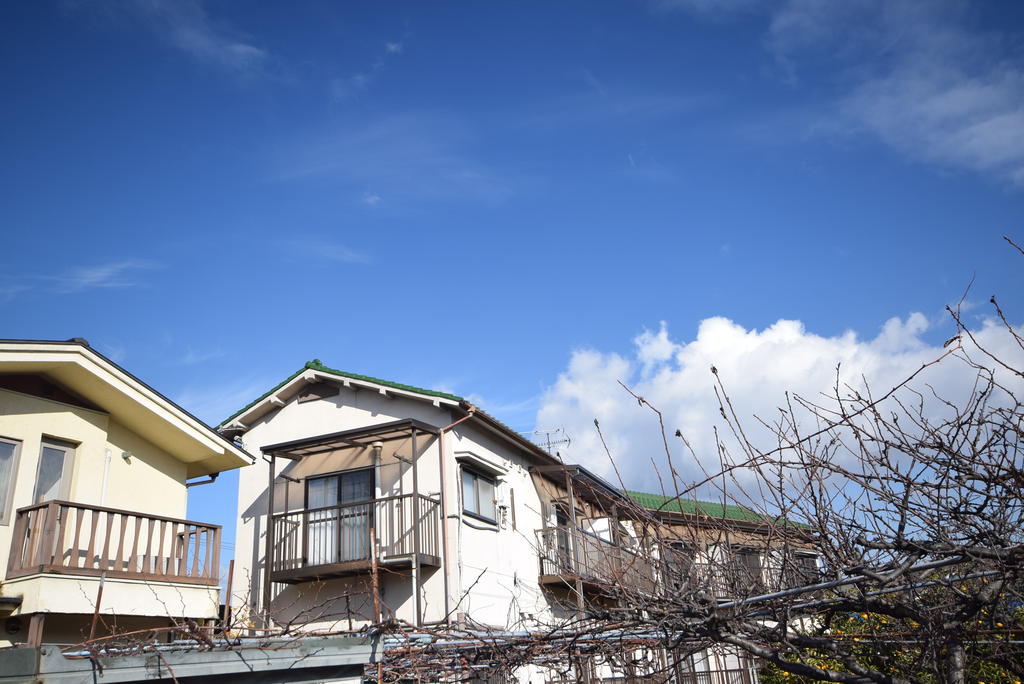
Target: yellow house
[(94, 466)]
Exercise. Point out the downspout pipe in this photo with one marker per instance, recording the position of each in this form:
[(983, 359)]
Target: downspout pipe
[(106, 474), (446, 561)]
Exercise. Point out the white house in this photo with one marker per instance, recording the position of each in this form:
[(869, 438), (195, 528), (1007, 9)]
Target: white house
[(391, 501)]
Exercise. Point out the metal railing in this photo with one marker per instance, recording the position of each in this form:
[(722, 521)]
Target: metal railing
[(568, 551), (403, 526), (61, 537)]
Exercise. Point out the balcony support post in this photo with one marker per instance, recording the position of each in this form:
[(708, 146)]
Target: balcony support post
[(574, 536), (46, 547), (417, 579), (35, 630), (269, 550), (574, 541)]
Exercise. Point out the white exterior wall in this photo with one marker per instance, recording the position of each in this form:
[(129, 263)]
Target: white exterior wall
[(350, 409), (499, 561), (497, 566)]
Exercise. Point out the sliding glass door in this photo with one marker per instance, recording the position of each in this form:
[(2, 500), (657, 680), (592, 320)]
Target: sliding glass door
[(340, 515)]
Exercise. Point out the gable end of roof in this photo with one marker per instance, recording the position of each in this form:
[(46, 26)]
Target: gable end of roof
[(317, 365)]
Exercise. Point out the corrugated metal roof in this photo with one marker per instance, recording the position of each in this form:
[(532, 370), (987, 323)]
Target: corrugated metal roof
[(656, 502)]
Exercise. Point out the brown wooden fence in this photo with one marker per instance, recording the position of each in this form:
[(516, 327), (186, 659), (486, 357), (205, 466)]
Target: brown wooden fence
[(60, 537)]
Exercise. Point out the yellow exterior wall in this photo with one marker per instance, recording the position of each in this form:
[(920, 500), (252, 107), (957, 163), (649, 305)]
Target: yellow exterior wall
[(151, 481), (70, 594), (27, 419)]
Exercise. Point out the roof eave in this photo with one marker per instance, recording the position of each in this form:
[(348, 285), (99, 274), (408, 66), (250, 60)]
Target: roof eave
[(223, 452), (242, 421)]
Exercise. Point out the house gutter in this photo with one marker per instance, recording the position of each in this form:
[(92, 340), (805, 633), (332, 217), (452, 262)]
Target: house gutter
[(196, 483)]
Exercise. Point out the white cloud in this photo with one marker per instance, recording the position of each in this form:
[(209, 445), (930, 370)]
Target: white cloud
[(313, 247), (919, 76), (757, 368), (115, 351), (116, 274), (417, 155), (215, 402), (608, 107), (349, 87), (186, 26), (708, 6), (371, 198), (516, 413), (949, 115), (10, 292), (192, 357), (591, 80)]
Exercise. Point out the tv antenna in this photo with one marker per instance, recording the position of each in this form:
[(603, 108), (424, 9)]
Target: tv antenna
[(549, 439)]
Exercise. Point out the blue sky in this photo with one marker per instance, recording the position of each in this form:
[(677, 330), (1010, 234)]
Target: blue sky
[(519, 204)]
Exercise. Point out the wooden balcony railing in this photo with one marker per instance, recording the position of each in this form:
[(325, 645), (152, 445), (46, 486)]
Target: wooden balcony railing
[(569, 552), (334, 540), (60, 537)]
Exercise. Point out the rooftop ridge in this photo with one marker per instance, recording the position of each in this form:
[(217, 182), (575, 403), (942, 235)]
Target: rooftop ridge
[(318, 365)]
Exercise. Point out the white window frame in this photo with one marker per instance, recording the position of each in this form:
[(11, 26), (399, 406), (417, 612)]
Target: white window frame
[(811, 571), (7, 497), (69, 449), (477, 477)]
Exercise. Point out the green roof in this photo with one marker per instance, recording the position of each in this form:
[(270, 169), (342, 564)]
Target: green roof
[(656, 502), (316, 365)]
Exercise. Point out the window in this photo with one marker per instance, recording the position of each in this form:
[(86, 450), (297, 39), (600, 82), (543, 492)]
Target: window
[(600, 528), (478, 495), (804, 569), (746, 569), (679, 559), (340, 516), (9, 450), (53, 479)]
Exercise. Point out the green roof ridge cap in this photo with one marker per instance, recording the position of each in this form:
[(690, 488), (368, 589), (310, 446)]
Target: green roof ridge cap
[(317, 365)]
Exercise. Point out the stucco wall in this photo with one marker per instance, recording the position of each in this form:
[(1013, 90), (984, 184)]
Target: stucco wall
[(499, 561), (498, 566), (350, 408), (150, 481), (71, 594)]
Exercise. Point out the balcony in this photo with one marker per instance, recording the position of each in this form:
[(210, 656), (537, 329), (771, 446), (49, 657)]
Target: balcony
[(64, 538), (724, 580), (568, 554), (336, 541)]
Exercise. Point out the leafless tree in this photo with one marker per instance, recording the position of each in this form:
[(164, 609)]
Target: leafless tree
[(881, 540)]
